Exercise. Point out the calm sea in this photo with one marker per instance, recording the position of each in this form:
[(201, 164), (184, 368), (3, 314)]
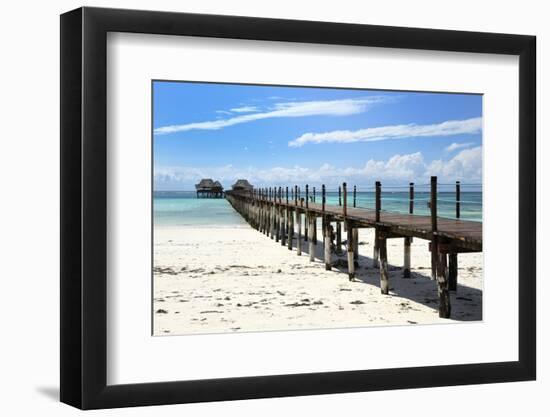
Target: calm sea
[(182, 208)]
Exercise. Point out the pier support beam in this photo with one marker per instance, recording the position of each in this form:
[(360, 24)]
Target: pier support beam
[(356, 246), (351, 243), (453, 271), (375, 251), (311, 220), (290, 228), (407, 256), (383, 252), (283, 227), (328, 245), (314, 226), (299, 238), (443, 285), (338, 237)]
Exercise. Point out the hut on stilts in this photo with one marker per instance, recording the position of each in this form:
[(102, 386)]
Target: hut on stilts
[(207, 188)]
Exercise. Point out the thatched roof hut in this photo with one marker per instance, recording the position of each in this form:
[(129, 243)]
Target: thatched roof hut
[(242, 185), (209, 188)]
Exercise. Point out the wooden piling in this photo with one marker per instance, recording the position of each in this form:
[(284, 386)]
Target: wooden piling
[(311, 220), (407, 258), (408, 240), (350, 250), (299, 226), (375, 249), (328, 246), (384, 278), (354, 196), (453, 271), (290, 228), (453, 256), (433, 213), (443, 285), (306, 219)]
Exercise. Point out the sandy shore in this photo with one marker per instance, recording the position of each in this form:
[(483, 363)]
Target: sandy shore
[(212, 280)]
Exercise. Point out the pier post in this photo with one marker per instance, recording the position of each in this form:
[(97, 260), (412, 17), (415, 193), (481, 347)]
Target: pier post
[(377, 205), (356, 246), (453, 269), (453, 257), (306, 220), (351, 243), (338, 237), (277, 215), (299, 226), (407, 260), (375, 250), (354, 196), (384, 279), (442, 284), (328, 245), (311, 220), (323, 202), (290, 228), (433, 211), (408, 240)]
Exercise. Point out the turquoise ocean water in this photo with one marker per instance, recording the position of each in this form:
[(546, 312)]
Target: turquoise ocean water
[(182, 208)]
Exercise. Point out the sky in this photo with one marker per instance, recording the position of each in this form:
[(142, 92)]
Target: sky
[(281, 136)]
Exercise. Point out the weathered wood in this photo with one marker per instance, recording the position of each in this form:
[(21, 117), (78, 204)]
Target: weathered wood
[(384, 278), (299, 234), (433, 214), (375, 250), (350, 250), (356, 246), (311, 249), (306, 220), (290, 228), (453, 271), (378, 199), (443, 286), (457, 189), (338, 237), (407, 256), (328, 246)]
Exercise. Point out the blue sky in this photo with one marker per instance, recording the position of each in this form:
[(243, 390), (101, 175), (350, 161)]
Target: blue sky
[(288, 135)]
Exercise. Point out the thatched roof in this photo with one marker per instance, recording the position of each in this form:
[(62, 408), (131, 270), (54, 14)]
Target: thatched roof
[(218, 184), (205, 183), (242, 184)]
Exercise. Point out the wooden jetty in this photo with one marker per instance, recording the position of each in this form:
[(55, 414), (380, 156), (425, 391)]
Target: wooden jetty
[(270, 211)]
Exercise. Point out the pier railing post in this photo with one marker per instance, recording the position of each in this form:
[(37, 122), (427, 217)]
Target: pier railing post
[(384, 278), (453, 256), (306, 216), (299, 226), (439, 258), (349, 235), (354, 196), (433, 213), (408, 240), (378, 198), (377, 207), (339, 225)]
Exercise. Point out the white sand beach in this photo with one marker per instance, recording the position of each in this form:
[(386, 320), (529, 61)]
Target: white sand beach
[(236, 279)]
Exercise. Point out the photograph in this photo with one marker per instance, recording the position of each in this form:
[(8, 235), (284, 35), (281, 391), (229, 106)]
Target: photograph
[(279, 208)]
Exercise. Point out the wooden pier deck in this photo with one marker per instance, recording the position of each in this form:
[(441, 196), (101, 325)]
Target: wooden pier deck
[(273, 213)]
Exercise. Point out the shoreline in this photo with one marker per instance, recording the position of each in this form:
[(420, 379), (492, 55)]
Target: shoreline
[(235, 279)]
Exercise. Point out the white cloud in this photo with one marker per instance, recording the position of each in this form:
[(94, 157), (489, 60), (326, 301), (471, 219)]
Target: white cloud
[(342, 107), (244, 109), (397, 170), (454, 146), (372, 134), (465, 166)]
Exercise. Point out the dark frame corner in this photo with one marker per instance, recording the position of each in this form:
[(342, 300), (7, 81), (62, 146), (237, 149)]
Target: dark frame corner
[(83, 207)]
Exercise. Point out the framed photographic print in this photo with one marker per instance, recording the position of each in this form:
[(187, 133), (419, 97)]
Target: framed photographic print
[(258, 207)]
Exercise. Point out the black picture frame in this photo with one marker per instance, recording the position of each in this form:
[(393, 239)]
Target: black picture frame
[(84, 207)]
